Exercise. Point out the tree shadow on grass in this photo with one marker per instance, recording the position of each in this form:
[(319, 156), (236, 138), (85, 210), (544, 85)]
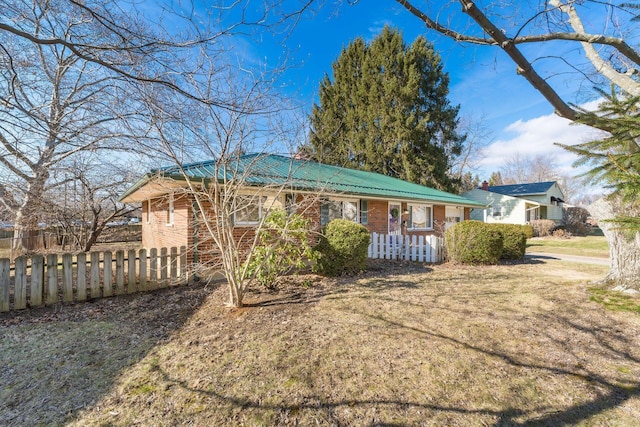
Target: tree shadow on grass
[(57, 361), (617, 392), (327, 407)]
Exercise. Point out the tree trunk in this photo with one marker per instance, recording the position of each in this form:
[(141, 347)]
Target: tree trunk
[(25, 232), (624, 246)]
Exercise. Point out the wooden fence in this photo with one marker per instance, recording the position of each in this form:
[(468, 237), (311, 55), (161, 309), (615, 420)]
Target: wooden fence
[(408, 248), (47, 280)]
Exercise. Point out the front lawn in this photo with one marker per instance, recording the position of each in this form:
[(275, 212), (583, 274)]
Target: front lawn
[(592, 246), (404, 344)]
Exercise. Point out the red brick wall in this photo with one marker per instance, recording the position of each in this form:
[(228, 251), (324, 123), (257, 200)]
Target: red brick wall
[(378, 216), (156, 232)]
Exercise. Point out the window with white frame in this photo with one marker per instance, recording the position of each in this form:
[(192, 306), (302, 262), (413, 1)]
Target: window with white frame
[(170, 211), (453, 214), (420, 216), (350, 210), (339, 209), (249, 210), (290, 203), (496, 210)]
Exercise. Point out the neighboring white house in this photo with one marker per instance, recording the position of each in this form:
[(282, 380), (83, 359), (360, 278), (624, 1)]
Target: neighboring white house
[(517, 203)]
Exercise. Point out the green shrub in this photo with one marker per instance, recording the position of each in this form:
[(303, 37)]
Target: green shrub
[(527, 230), (342, 249), (473, 242), (283, 246), (514, 240)]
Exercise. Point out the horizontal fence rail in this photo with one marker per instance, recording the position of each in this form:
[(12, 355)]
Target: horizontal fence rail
[(405, 247), (47, 280)]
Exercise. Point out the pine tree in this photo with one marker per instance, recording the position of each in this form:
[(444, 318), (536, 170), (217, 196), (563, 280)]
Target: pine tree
[(615, 158), (386, 110)]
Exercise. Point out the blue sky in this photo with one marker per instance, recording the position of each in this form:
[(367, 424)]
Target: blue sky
[(482, 79)]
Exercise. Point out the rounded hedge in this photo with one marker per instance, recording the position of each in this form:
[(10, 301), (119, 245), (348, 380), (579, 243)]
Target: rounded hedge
[(473, 242), (514, 240), (342, 249)]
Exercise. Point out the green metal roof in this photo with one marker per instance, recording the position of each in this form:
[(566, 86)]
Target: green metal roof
[(275, 170)]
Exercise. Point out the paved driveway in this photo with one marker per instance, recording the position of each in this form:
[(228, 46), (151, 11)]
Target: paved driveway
[(571, 258)]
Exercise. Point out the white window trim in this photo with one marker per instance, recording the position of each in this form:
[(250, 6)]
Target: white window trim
[(261, 211), (355, 202), (342, 202), (493, 208), (459, 213), (172, 212), (430, 226)]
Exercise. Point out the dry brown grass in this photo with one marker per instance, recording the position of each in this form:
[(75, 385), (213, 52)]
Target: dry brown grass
[(505, 345)]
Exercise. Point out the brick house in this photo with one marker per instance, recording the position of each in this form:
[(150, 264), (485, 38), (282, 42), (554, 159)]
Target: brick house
[(321, 192)]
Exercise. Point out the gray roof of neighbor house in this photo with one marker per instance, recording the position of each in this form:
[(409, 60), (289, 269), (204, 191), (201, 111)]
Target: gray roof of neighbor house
[(522, 189), (259, 170)]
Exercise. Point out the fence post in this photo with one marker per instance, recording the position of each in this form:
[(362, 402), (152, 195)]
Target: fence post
[(183, 264), (153, 269), (81, 286), (37, 280), (173, 266), (414, 248), (107, 278), (67, 278), (163, 267), (5, 271), (421, 248), (119, 272), (131, 270), (52, 279), (20, 279), (142, 274), (95, 274), (407, 247)]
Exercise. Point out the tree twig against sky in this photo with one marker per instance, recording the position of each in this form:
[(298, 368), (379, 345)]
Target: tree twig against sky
[(54, 105), (514, 27), (386, 110), (608, 59), (188, 131), (72, 71)]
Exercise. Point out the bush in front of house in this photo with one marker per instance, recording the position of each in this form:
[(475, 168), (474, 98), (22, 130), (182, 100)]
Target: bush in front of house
[(527, 230), (283, 247), (473, 242), (543, 227), (575, 221), (514, 240), (342, 248)]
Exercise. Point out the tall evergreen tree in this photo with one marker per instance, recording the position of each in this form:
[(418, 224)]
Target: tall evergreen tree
[(615, 158), (386, 110)]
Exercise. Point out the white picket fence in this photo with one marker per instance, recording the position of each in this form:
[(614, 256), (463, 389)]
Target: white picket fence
[(408, 248)]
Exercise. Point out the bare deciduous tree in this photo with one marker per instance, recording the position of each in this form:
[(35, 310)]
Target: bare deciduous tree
[(88, 201), (71, 72), (54, 103), (479, 136), (610, 61), (512, 28)]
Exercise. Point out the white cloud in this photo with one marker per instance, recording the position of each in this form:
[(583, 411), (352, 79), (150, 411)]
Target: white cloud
[(376, 28), (537, 137)]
